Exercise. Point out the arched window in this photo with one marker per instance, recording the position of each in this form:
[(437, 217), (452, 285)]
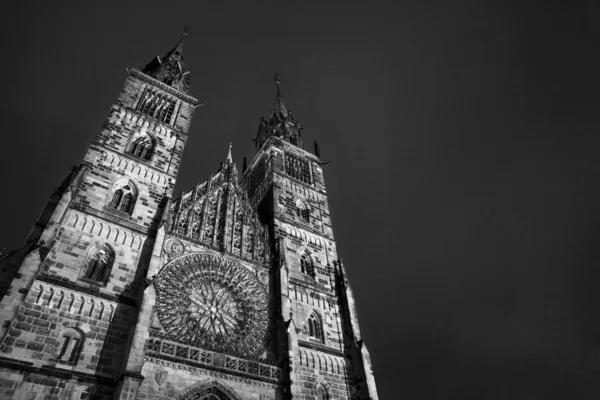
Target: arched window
[(302, 211), (99, 263), (141, 147), (69, 346), (157, 105), (306, 265), (123, 197), (315, 328), (322, 393)]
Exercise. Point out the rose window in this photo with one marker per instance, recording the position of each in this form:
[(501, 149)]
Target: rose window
[(213, 303)]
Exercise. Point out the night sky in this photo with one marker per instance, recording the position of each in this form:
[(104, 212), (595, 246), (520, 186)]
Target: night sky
[(464, 141)]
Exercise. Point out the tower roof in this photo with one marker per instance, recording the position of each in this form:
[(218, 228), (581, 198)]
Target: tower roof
[(169, 69), (281, 124)]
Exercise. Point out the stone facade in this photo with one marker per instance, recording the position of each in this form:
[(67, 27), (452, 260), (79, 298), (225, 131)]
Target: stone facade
[(233, 290)]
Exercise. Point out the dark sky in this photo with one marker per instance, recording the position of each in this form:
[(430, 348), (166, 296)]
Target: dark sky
[(464, 140)]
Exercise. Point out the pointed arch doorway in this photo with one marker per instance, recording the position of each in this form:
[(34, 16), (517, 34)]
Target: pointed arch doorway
[(212, 390)]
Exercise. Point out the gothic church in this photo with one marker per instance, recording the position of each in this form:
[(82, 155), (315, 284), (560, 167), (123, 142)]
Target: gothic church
[(232, 290)]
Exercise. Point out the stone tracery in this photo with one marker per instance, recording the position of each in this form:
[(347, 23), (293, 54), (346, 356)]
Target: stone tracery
[(213, 303), (217, 213)]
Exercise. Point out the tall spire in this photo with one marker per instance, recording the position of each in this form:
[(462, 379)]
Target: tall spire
[(280, 108), (169, 69), (177, 51), (281, 124)]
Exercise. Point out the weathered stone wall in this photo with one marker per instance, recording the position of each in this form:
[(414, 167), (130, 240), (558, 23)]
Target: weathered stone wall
[(49, 309), (33, 383), (67, 336), (67, 260), (314, 362), (316, 369)]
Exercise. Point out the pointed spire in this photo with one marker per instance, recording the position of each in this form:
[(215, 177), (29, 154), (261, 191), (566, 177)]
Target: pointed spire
[(169, 69), (177, 51), (229, 158), (280, 108)]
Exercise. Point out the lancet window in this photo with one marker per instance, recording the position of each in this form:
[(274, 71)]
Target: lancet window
[(256, 176), (157, 105), (99, 263), (322, 393), (123, 197), (302, 211), (306, 265), (315, 328), (141, 147), (69, 346), (298, 168)]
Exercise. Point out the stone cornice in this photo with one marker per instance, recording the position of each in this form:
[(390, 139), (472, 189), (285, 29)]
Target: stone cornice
[(117, 220), (315, 287), (49, 370), (185, 97), (299, 225), (321, 348), (89, 290)]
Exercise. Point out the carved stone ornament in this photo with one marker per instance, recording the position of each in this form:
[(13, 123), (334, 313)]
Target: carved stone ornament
[(263, 277), (173, 247), (214, 303), (160, 377)]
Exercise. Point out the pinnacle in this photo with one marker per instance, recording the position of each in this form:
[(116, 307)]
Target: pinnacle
[(229, 157)]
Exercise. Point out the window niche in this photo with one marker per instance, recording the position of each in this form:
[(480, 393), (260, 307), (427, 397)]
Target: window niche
[(157, 105), (298, 168), (322, 393), (123, 196), (306, 265), (142, 147), (315, 327), (302, 211), (69, 346), (98, 264)]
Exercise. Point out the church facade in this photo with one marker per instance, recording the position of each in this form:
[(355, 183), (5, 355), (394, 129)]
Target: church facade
[(232, 290)]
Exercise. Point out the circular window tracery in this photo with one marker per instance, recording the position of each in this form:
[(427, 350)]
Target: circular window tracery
[(213, 303)]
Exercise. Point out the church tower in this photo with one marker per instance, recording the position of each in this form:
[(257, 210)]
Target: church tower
[(232, 290), (321, 346), (71, 295)]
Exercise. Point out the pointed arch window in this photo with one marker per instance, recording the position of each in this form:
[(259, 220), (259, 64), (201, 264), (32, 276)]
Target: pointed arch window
[(69, 347), (322, 393), (99, 264), (157, 105), (315, 327), (306, 265), (302, 211), (123, 197), (298, 168), (141, 147)]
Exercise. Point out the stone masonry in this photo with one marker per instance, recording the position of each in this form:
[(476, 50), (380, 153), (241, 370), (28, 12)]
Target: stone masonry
[(233, 290)]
